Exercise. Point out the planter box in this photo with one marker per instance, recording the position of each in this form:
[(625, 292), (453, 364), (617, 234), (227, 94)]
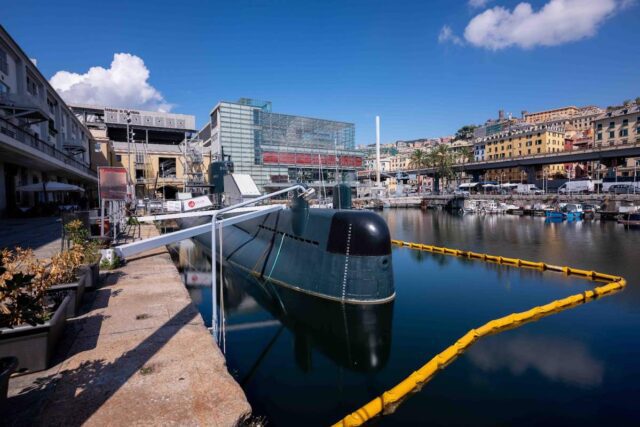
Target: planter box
[(34, 345), (91, 275), (75, 290)]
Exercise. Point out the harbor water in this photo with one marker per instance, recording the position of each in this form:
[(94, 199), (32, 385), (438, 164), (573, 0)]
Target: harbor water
[(305, 361)]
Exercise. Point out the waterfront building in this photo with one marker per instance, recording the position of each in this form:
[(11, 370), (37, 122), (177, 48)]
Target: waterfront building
[(280, 149), (159, 151), (619, 126), (40, 138), (493, 126), (523, 142)]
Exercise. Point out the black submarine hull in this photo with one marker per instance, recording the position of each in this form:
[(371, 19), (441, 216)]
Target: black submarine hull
[(340, 255)]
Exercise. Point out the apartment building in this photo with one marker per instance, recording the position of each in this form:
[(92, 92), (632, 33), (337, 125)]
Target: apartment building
[(524, 142), (41, 140), (158, 149), (550, 115), (619, 127)]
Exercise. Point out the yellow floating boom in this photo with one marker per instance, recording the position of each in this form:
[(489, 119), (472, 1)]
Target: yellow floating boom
[(390, 399)]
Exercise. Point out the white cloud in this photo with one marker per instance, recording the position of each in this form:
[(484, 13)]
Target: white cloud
[(557, 22), (124, 84), (477, 4), (446, 35)]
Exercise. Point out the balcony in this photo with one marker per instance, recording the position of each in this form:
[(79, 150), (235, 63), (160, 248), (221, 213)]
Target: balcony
[(20, 135)]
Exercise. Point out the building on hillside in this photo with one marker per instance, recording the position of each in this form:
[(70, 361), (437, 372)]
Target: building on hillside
[(534, 140), (280, 149), (399, 162), (572, 119), (549, 115), (160, 153), (620, 126), (463, 151), (493, 126), (40, 138)]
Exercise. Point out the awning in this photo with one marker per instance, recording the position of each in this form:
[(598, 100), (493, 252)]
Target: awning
[(468, 185), (50, 186)]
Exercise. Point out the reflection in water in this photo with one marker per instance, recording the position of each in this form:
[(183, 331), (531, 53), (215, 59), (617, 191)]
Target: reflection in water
[(311, 362), (556, 358), (354, 336)]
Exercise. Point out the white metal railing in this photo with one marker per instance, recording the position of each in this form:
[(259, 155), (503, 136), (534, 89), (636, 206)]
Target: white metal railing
[(216, 326), (129, 249)]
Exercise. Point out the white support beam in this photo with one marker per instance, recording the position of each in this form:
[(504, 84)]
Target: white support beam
[(124, 251), (152, 218)]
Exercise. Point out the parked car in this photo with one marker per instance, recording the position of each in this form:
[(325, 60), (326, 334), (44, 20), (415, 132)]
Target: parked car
[(621, 189)]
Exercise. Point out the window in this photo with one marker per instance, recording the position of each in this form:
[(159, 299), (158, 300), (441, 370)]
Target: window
[(4, 65), (612, 125), (118, 158), (97, 147), (625, 122), (612, 134), (32, 85), (599, 136), (538, 149), (4, 88), (167, 167), (624, 132)]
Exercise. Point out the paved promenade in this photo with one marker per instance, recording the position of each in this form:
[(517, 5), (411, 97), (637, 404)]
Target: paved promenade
[(40, 234), (139, 355)]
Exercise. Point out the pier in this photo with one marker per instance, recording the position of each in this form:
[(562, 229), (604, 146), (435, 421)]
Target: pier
[(139, 354)]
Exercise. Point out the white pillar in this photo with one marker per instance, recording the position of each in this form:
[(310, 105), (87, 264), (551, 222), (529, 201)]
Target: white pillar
[(378, 151)]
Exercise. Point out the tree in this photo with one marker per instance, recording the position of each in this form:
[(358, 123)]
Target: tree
[(626, 102), (638, 100), (465, 132), (466, 155), (418, 159), (441, 158)]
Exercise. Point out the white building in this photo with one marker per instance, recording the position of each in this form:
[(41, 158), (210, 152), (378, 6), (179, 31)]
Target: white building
[(40, 138)]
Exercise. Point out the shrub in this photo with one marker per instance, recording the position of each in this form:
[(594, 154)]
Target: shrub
[(80, 236), (23, 286)]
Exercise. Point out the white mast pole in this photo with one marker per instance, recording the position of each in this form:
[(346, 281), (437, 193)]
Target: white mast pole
[(377, 151)]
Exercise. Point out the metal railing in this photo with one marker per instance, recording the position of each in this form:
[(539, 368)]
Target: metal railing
[(26, 138)]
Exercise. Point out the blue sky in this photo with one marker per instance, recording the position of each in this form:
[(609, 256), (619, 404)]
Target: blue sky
[(350, 60)]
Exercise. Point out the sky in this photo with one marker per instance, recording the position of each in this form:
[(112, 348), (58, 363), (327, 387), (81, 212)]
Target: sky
[(426, 67)]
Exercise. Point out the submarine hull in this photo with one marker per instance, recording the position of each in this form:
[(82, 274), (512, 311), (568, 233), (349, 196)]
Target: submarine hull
[(341, 255)]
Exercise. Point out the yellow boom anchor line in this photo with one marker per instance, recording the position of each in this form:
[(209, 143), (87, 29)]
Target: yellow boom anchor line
[(388, 401)]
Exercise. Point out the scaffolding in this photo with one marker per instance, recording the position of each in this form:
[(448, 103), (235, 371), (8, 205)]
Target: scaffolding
[(192, 159)]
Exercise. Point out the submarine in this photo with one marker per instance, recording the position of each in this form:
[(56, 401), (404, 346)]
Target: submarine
[(340, 254)]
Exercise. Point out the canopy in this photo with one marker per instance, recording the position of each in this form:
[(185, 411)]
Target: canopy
[(490, 186), (468, 185), (50, 186), (508, 185)]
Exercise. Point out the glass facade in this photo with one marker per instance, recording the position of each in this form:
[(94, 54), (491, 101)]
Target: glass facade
[(276, 149)]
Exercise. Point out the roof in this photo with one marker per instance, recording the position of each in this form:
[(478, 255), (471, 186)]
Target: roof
[(154, 148), (622, 111)]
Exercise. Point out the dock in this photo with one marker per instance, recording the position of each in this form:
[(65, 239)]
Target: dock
[(139, 354)]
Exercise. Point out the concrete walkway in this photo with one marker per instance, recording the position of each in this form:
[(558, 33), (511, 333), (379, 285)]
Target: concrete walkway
[(139, 355), (40, 234)]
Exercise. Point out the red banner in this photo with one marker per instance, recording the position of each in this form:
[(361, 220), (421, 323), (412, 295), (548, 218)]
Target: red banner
[(310, 159)]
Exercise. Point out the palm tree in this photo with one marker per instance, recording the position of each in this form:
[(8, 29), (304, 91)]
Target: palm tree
[(442, 159), (418, 159)]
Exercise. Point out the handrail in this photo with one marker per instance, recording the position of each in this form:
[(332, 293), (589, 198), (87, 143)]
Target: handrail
[(15, 132), (216, 329)]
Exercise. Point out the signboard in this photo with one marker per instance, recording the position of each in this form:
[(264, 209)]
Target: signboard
[(112, 183), (310, 159), (196, 203), (173, 206)]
